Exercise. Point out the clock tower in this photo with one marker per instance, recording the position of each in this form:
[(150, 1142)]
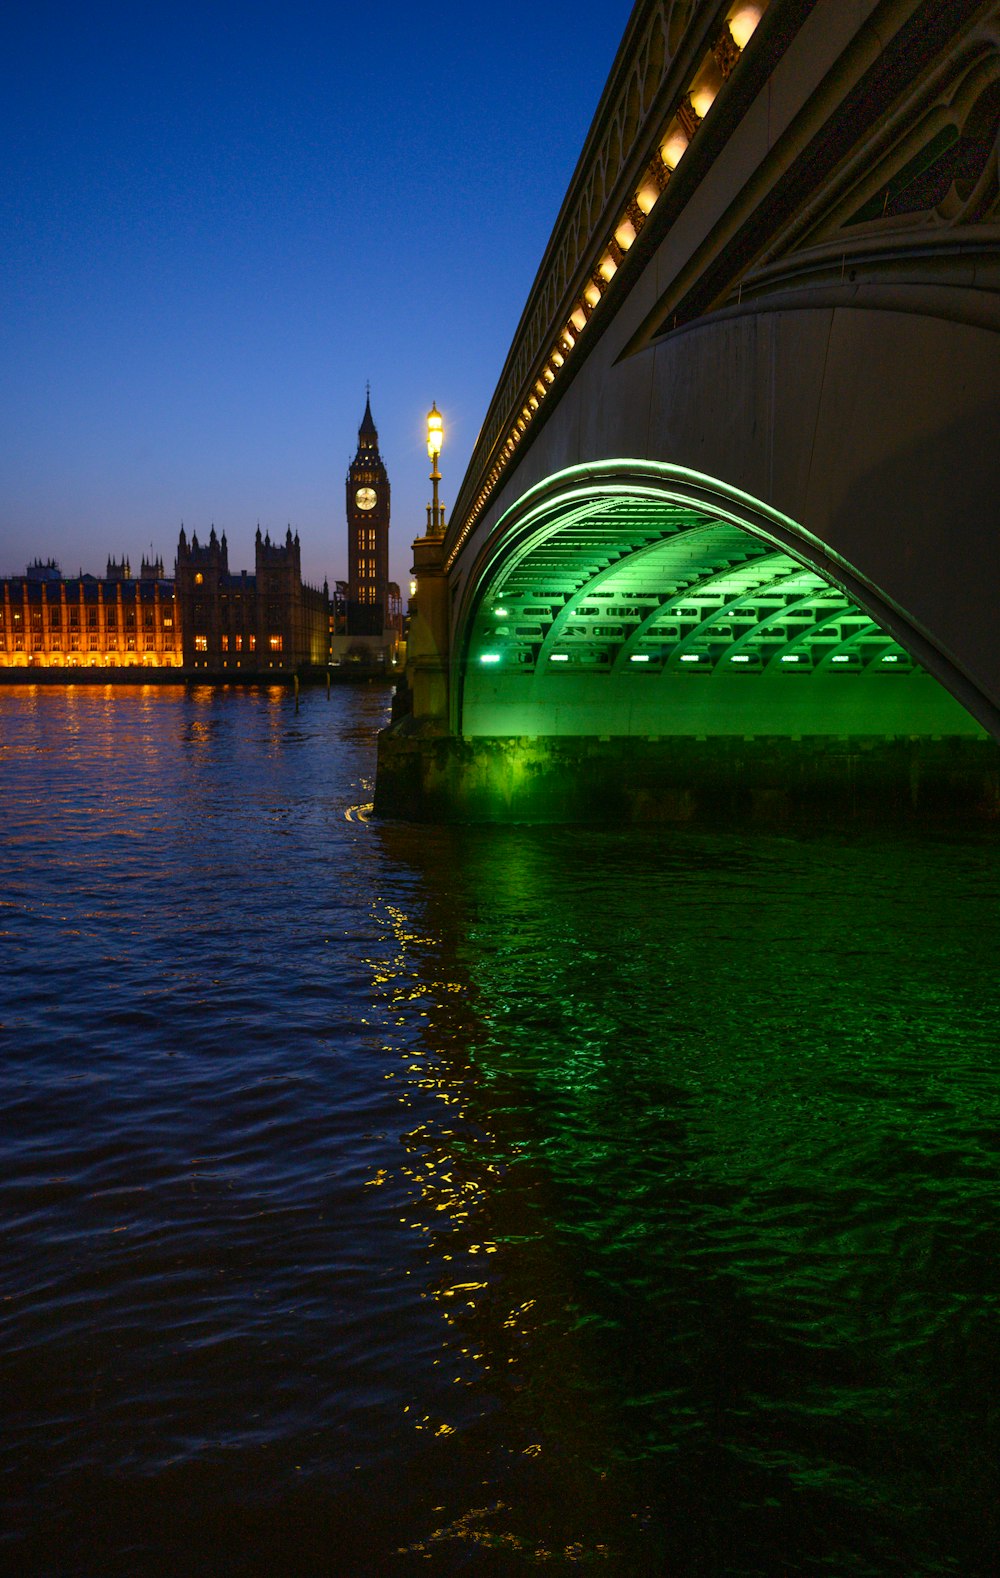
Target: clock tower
[(367, 534)]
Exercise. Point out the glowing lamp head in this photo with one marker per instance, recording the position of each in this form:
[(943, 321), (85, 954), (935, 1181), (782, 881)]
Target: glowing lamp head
[(435, 432), (742, 23), (647, 196), (674, 149)]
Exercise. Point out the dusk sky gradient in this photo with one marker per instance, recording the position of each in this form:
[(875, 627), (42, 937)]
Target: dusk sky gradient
[(218, 222)]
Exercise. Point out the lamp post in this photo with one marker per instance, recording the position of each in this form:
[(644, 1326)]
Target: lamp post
[(435, 438)]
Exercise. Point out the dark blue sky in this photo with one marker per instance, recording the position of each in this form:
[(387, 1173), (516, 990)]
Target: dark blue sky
[(220, 220)]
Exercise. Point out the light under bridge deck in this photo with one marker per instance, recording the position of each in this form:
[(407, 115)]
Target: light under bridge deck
[(644, 644), (630, 614)]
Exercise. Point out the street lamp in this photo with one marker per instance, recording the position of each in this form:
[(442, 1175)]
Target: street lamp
[(435, 438)]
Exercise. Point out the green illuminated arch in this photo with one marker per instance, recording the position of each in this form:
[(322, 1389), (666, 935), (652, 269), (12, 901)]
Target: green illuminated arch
[(637, 598)]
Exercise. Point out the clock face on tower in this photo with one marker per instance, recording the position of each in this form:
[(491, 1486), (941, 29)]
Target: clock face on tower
[(366, 498)]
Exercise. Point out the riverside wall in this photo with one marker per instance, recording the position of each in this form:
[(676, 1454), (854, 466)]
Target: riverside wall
[(811, 782)]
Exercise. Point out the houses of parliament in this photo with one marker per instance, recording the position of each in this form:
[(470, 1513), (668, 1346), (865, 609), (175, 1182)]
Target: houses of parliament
[(207, 621)]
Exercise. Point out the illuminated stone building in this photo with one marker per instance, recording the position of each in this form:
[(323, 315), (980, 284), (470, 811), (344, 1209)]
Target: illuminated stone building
[(367, 535), (207, 620), (236, 623), (49, 621)]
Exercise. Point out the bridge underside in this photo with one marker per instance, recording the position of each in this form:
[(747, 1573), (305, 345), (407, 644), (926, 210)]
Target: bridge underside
[(640, 643), (640, 609)]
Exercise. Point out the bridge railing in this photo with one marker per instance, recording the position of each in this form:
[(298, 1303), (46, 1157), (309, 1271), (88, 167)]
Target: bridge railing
[(677, 62)]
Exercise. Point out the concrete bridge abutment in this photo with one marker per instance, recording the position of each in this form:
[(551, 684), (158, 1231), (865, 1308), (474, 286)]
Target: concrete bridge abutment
[(815, 784)]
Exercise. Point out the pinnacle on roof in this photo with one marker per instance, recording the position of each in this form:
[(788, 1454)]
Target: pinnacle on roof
[(367, 432)]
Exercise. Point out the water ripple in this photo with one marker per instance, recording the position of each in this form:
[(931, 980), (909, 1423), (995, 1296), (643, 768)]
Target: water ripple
[(379, 1199)]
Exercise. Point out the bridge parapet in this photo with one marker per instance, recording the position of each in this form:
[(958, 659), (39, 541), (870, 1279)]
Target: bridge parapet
[(673, 62)]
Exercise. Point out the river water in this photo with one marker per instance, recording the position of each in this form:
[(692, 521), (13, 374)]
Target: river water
[(383, 1200)]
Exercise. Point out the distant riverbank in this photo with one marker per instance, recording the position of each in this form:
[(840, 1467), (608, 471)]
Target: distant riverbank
[(135, 674)]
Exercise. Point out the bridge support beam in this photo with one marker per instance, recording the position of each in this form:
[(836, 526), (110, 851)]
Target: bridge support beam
[(810, 783), (427, 644)]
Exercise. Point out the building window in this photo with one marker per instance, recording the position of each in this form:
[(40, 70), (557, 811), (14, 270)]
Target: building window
[(225, 643), (275, 643), (112, 643), (56, 644), (239, 643), (198, 578), (74, 643), (150, 643), (93, 643), (201, 643), (130, 643), (253, 643), (91, 618), (168, 623)]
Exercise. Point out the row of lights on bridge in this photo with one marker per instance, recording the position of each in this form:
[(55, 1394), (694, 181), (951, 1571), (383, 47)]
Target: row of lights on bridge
[(490, 658), (680, 131)]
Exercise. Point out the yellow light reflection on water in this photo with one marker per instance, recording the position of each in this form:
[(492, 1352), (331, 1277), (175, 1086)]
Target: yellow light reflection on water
[(447, 1169), (499, 1294)]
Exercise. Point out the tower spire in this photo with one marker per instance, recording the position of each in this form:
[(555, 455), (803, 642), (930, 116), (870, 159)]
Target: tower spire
[(367, 432)]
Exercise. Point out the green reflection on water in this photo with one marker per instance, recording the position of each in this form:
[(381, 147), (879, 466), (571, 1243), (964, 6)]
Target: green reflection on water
[(728, 1114)]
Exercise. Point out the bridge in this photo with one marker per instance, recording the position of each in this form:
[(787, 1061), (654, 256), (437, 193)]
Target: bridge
[(729, 531)]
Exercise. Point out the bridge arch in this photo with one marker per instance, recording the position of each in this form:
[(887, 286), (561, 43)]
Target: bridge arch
[(634, 597)]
